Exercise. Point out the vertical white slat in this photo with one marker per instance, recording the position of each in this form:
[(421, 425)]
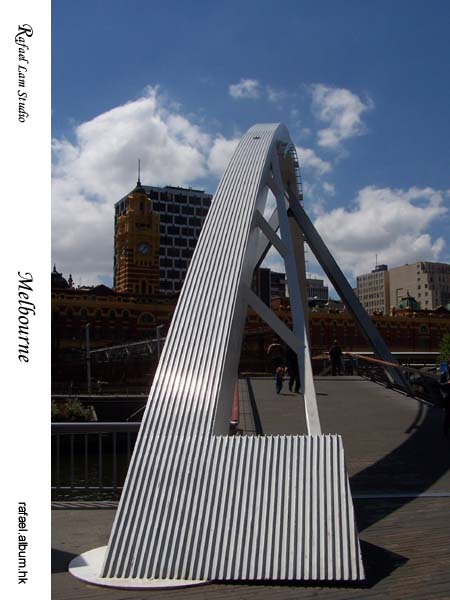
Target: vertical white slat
[(322, 515), (190, 528), (268, 549), (285, 509), (236, 509), (274, 557), (258, 518), (336, 512), (314, 506), (226, 507), (251, 543), (205, 533), (243, 533), (353, 553), (329, 503), (344, 512), (294, 500), (265, 500), (307, 509)]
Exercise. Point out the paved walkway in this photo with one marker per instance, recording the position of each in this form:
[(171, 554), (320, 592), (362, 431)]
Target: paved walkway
[(392, 443), (399, 467)]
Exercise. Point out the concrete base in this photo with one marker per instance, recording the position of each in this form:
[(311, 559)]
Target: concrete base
[(87, 567)]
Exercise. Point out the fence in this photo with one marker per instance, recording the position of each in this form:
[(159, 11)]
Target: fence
[(90, 458), (422, 384)]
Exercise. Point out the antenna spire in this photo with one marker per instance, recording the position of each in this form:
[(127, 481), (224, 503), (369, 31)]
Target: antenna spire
[(139, 172)]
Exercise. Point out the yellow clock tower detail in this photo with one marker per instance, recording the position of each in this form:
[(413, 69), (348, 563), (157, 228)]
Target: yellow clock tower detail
[(136, 246)]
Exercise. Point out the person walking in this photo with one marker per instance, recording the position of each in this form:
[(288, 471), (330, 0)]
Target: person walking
[(292, 367), (279, 376), (336, 359), (445, 393)]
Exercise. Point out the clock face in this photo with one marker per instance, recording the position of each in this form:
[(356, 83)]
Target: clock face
[(143, 249)]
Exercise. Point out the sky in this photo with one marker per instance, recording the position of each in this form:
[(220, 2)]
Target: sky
[(363, 88)]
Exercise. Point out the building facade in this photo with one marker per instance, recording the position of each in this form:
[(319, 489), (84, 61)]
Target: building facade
[(373, 290), (317, 290), (116, 319), (181, 213), (277, 284), (268, 284), (427, 282)]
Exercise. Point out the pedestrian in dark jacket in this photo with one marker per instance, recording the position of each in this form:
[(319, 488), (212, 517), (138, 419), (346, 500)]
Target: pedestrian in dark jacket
[(336, 358), (292, 367)]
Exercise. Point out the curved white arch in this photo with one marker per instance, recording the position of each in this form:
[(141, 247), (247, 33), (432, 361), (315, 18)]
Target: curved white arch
[(198, 504)]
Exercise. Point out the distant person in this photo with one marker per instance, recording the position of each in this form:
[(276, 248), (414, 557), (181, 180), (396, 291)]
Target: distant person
[(445, 393), (292, 367), (335, 353), (279, 376), (275, 355)]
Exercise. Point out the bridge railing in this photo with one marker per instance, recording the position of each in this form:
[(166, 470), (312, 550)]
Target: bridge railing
[(423, 384), (90, 458)]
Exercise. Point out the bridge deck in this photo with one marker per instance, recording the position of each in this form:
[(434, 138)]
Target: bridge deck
[(395, 452)]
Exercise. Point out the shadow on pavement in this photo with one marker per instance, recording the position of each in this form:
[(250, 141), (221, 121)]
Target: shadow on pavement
[(411, 468), (61, 560)]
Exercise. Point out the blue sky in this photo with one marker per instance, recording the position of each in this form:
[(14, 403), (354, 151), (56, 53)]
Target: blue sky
[(363, 88)]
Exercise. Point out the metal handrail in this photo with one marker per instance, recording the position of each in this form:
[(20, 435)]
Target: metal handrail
[(384, 363), (95, 427), (86, 456)]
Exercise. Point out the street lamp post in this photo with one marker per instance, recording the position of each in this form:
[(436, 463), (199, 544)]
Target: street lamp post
[(88, 357)]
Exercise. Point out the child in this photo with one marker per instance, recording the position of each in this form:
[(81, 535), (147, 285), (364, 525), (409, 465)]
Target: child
[(279, 374)]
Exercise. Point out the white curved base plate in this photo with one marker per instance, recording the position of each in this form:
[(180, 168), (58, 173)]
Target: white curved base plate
[(87, 566)]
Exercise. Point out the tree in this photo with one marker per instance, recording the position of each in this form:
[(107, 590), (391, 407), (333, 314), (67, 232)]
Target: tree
[(444, 349)]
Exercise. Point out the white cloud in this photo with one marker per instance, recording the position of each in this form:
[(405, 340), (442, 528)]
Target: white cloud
[(274, 95), (97, 168), (341, 110), (220, 154), (390, 223), (328, 188), (308, 159), (246, 88)]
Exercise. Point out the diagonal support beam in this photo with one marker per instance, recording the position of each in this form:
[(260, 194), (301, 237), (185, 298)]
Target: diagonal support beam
[(270, 234), (344, 290), (264, 244), (282, 330)]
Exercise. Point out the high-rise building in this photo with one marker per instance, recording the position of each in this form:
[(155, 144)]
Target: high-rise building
[(277, 284), (427, 282), (180, 213), (268, 284), (373, 290), (317, 290)]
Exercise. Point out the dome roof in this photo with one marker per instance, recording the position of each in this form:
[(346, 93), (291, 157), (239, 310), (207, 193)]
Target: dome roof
[(409, 302), (58, 281)]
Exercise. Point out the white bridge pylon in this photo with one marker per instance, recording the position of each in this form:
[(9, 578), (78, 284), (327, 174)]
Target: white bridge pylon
[(199, 505)]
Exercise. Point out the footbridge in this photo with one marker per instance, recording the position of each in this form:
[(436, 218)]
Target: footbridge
[(199, 505)]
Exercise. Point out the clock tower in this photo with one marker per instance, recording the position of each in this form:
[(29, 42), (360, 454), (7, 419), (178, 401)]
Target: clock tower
[(136, 246)]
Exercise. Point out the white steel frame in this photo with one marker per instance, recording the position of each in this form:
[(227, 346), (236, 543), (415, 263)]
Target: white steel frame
[(197, 504)]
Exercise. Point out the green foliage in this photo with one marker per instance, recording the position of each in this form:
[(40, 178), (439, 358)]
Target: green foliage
[(76, 412), (72, 410), (444, 349), (55, 411)]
